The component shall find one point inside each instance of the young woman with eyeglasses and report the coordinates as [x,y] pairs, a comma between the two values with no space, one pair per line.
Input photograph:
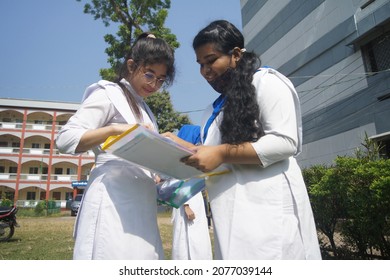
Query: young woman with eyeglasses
[118,215]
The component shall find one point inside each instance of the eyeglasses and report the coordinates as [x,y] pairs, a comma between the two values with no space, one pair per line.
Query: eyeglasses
[151,79]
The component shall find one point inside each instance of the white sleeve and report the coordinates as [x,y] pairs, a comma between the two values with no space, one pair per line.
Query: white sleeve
[278,116]
[96,111]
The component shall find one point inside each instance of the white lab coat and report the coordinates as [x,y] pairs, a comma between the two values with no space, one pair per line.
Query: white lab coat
[191,239]
[118,214]
[263,212]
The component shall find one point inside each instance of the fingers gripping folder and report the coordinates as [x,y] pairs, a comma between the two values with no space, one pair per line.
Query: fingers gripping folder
[159,154]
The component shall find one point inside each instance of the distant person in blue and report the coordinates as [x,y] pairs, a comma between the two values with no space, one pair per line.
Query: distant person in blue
[191,238]
[190,133]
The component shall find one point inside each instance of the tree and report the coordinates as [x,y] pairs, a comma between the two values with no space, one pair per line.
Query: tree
[167,118]
[371,151]
[133,18]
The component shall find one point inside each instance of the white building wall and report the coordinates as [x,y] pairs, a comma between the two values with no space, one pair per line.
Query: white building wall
[342,144]
[262,18]
[334,69]
[323,19]
[333,84]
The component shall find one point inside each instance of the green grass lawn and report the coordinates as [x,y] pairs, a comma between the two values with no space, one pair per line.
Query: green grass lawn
[50,238]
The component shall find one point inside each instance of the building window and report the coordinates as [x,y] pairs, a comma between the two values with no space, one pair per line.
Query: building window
[3,144]
[30,195]
[56,195]
[376,53]
[57,171]
[33,170]
[13,169]
[2,169]
[9,195]
[42,195]
[35,145]
[383,141]
[68,195]
[15,144]
[366,4]
[385,148]
[71,171]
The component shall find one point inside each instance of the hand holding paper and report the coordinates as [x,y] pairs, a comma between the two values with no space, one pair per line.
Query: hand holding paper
[159,154]
[152,151]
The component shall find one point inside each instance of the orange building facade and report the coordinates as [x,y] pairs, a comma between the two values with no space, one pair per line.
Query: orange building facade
[31,168]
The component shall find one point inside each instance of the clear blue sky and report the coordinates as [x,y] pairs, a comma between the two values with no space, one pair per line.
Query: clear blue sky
[51,50]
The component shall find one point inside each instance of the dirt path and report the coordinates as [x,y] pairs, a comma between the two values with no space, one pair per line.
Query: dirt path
[164,220]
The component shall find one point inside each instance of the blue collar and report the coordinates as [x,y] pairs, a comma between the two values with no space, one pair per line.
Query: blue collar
[217,105]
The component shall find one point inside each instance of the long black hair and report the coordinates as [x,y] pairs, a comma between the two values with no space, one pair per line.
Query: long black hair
[146,51]
[241,112]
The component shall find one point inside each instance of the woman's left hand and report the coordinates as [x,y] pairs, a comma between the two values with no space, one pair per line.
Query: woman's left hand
[189,213]
[178,140]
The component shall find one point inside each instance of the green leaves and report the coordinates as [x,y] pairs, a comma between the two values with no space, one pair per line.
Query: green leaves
[167,118]
[353,196]
[132,18]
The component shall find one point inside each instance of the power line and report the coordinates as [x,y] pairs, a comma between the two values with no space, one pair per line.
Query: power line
[333,76]
[2,86]
[192,111]
[361,76]
[341,107]
[341,74]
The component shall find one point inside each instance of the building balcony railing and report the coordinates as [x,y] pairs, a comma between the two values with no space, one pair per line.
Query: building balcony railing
[34,151]
[34,203]
[29,126]
[40,177]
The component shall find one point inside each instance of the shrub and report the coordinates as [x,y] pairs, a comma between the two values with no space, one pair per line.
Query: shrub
[6,202]
[40,208]
[353,196]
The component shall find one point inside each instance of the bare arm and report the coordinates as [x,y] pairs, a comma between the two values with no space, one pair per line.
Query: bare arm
[207,158]
[94,137]
[178,140]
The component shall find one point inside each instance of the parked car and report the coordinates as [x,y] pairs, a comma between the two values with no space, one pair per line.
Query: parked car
[75,205]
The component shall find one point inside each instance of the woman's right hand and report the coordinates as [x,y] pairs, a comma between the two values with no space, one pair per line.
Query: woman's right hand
[206,158]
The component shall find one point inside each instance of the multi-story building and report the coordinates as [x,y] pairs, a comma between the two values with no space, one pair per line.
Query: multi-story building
[337,54]
[31,168]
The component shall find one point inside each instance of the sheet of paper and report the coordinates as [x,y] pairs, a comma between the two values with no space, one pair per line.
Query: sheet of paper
[153,152]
